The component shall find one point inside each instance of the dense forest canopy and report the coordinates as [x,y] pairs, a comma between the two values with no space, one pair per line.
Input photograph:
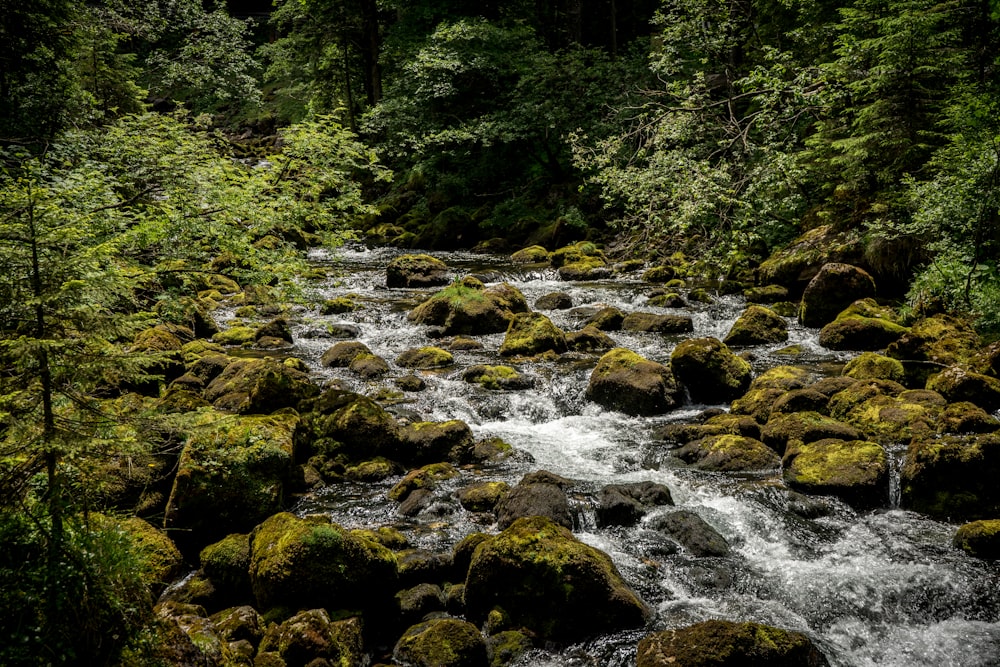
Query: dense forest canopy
[145,146]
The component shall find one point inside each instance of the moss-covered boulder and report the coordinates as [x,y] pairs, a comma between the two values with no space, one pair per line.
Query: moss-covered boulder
[872,366]
[665,324]
[277,328]
[959,384]
[227,565]
[965,417]
[953,477]
[482,496]
[241,623]
[666,300]
[626,504]
[416,271]
[546,580]
[890,420]
[432,442]
[160,560]
[856,471]
[236,335]
[587,268]
[934,342]
[710,370]
[348,427]
[757,325]
[530,334]
[310,637]
[722,424]
[766,294]
[232,473]
[534,254]
[627,382]
[607,319]
[659,274]
[805,427]
[979,538]
[576,252]
[589,339]
[441,642]
[537,494]
[554,301]
[469,308]
[728,453]
[311,562]
[426,477]
[425,358]
[719,643]
[795,265]
[832,289]
[497,377]
[864,325]
[339,305]
[259,386]
[342,354]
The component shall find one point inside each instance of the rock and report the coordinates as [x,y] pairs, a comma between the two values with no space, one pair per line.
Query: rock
[231,474]
[467,308]
[964,417]
[161,561]
[530,334]
[588,268]
[506,647]
[441,642]
[665,324]
[431,442]
[464,343]
[801,400]
[718,643]
[709,370]
[885,419]
[626,504]
[856,471]
[235,335]
[757,326]
[339,305]
[369,366]
[240,624]
[863,326]
[347,426]
[804,427]
[535,254]
[576,252]
[276,328]
[497,377]
[554,301]
[722,424]
[768,388]
[667,300]
[832,289]
[691,532]
[953,477]
[728,453]
[310,562]
[958,384]
[341,355]
[425,478]
[311,637]
[589,339]
[660,274]
[980,539]
[576,592]
[932,343]
[987,360]
[766,294]
[227,564]
[416,271]
[259,386]
[415,603]
[425,358]
[872,366]
[626,382]
[606,319]
[411,382]
[484,496]
[798,263]
[540,494]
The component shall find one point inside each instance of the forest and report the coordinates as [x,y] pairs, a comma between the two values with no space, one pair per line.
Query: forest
[159,157]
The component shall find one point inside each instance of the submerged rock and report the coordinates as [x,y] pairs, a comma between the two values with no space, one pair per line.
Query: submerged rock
[629,383]
[710,370]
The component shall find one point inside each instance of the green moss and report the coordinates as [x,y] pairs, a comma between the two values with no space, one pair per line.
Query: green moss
[625,381]
[717,642]
[872,366]
[425,358]
[426,477]
[484,496]
[587,268]
[729,453]
[535,254]
[804,427]
[341,304]
[227,562]
[237,335]
[530,334]
[757,325]
[441,642]
[857,471]
[577,252]
[980,539]
[892,420]
[710,370]
[659,274]
[496,377]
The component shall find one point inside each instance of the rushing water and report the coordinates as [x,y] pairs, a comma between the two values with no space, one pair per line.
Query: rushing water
[873,588]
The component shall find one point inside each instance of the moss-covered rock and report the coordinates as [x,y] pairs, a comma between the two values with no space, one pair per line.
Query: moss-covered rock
[160,560]
[964,417]
[369,366]
[804,427]
[627,382]
[237,335]
[719,643]
[347,426]
[801,400]
[432,442]
[934,342]
[666,300]
[312,562]
[587,268]
[537,494]
[424,358]
[757,325]
[482,496]
[891,420]
[551,583]
[864,325]
[530,334]
[507,647]
[659,274]
[795,265]
[277,328]
[856,471]
[534,254]
[227,564]
[465,308]
[241,623]
[259,386]
[766,294]
[607,319]
[723,424]
[953,477]
[835,287]
[342,354]
[665,324]
[958,384]
[728,453]
[232,473]
[416,271]
[554,301]
[311,637]
[497,377]
[576,252]
[441,642]
[872,366]
[426,477]
[710,370]
[980,539]
[339,305]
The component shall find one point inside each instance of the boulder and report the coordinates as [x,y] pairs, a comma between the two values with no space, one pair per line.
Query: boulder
[342,354]
[277,328]
[768,388]
[339,305]
[666,300]
[588,268]
[483,496]
[889,420]
[311,637]
[537,494]
[425,358]
[964,417]
[554,301]
[426,478]
[801,400]
[980,539]
[728,453]
[441,642]
[589,339]
[431,442]
[347,426]
[863,326]
[856,471]
[416,602]
[794,266]
[535,254]
[932,343]
[581,251]
[546,580]
[416,271]
[496,377]
[469,308]
[659,274]
[691,532]
[532,333]
[958,384]
[953,477]
[722,424]
[312,562]
[665,324]
[832,289]
[718,643]
[626,504]
[872,366]
[606,319]
[241,623]
[227,565]
[259,386]
[710,370]
[805,427]
[766,294]
[757,325]
[626,382]
[369,366]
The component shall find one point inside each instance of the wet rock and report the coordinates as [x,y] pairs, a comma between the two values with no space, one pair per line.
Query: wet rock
[418,566]
[415,603]
[576,252]
[626,504]
[933,343]
[464,343]
[589,268]
[347,426]
[757,325]
[506,647]
[310,561]
[428,442]
[530,334]
[766,294]
[235,335]
[201,634]
[576,591]
[862,326]
[710,370]
[240,624]
[660,274]
[277,328]
[728,453]
[483,496]
[964,417]
[607,319]
[416,502]
[890,420]
[441,642]
[872,366]
[538,494]
[589,339]
[691,532]
[411,382]
[856,471]
[259,386]
[718,643]
[535,254]
[801,400]
[339,305]
[626,382]
[958,384]
[369,366]
[426,478]
[665,324]
[425,358]
[311,636]
[667,300]
[722,424]
[832,289]
[804,427]
[227,564]
[342,354]
[554,301]
[953,477]
[416,271]
[469,308]
[980,539]
[497,377]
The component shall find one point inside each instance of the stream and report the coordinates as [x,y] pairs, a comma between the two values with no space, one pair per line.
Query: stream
[870,588]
